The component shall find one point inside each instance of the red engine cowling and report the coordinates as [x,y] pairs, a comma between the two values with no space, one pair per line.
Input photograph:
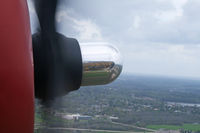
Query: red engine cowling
[16,68]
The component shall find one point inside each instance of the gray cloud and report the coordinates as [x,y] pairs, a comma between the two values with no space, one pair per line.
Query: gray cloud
[155,36]
[157,20]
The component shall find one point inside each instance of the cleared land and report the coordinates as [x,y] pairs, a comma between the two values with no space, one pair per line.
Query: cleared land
[192,127]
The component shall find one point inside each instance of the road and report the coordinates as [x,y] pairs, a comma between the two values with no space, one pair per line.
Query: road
[96,130]
[142,128]
[89,130]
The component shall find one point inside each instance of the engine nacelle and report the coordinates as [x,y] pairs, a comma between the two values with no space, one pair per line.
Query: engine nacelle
[66,65]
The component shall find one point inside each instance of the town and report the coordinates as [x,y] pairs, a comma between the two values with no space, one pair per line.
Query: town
[127,105]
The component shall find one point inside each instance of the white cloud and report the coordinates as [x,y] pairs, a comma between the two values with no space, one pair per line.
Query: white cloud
[31,6]
[173,14]
[162,59]
[61,15]
[136,23]
[33,16]
[86,29]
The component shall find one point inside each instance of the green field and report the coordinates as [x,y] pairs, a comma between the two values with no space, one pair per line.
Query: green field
[193,127]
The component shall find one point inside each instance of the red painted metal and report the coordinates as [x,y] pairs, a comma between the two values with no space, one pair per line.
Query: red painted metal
[16,68]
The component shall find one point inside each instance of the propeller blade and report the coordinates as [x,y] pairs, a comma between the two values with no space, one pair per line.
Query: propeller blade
[57,59]
[48,59]
[46,10]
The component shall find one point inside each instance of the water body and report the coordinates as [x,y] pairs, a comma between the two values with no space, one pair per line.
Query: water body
[184,104]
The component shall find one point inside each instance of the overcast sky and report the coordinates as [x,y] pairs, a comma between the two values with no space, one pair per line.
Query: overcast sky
[158,37]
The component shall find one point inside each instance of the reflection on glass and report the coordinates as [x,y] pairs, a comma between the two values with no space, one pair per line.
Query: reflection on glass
[101,63]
